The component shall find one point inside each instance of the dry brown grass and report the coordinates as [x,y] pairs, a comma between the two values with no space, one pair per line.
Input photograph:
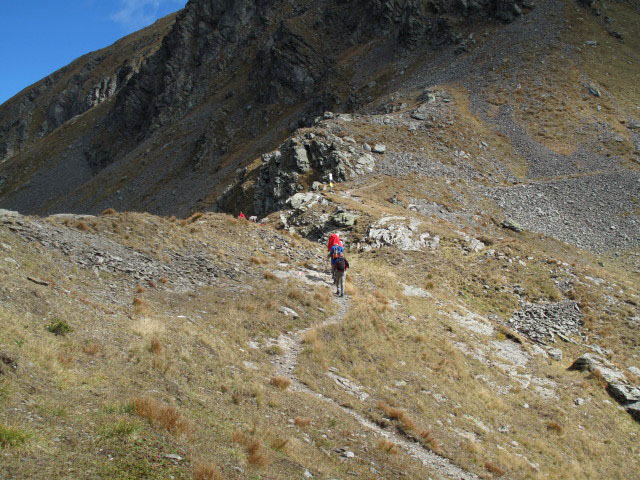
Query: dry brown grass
[91,348]
[388,446]
[257,260]
[310,336]
[65,359]
[256,454]
[164,416]
[164,280]
[140,306]
[399,415]
[269,276]
[83,227]
[494,468]
[206,471]
[555,427]
[140,289]
[302,422]
[279,443]
[427,437]
[155,346]
[108,211]
[280,382]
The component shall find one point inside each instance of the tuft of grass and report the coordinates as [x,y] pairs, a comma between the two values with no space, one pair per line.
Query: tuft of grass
[280,382]
[273,350]
[162,415]
[399,415]
[279,443]
[256,455]
[83,227]
[155,346]
[302,422]
[269,276]
[140,306]
[108,211]
[140,289]
[427,437]
[555,427]
[59,327]
[388,446]
[91,348]
[494,468]
[12,437]
[206,471]
[122,428]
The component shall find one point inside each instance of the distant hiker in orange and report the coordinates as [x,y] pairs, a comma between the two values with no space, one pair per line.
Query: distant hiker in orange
[242,216]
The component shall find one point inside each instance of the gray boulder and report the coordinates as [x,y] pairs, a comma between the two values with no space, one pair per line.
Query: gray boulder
[634,410]
[512,225]
[345,219]
[623,392]
[587,362]
[594,90]
[555,353]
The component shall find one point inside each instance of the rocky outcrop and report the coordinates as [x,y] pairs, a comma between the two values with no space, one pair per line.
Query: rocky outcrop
[306,158]
[541,322]
[619,388]
[400,233]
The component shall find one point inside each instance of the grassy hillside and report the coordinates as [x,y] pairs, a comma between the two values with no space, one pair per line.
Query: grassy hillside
[178,354]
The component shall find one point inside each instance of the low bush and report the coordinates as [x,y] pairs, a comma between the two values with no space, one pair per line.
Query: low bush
[59,327]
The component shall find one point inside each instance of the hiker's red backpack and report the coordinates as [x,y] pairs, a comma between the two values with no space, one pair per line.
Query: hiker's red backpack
[334,240]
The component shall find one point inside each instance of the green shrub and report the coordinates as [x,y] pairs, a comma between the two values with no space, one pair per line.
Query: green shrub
[10,437]
[59,327]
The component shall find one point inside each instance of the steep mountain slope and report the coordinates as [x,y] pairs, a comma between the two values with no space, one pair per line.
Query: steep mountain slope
[230,80]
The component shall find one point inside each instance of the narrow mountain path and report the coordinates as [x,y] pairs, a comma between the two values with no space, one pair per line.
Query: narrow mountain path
[292,344]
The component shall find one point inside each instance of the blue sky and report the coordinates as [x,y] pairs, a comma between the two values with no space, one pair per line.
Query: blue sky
[37,37]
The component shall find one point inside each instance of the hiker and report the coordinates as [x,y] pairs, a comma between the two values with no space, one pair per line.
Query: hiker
[335,247]
[242,216]
[340,268]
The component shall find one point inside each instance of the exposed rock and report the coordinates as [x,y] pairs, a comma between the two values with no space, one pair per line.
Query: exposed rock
[512,225]
[540,322]
[623,392]
[393,231]
[288,312]
[322,156]
[634,410]
[586,362]
[379,148]
[8,361]
[618,387]
[302,201]
[344,219]
[555,353]
[594,90]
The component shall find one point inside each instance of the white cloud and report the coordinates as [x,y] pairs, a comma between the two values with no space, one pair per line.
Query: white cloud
[136,14]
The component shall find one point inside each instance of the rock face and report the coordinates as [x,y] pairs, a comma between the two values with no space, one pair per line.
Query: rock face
[75,89]
[302,160]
